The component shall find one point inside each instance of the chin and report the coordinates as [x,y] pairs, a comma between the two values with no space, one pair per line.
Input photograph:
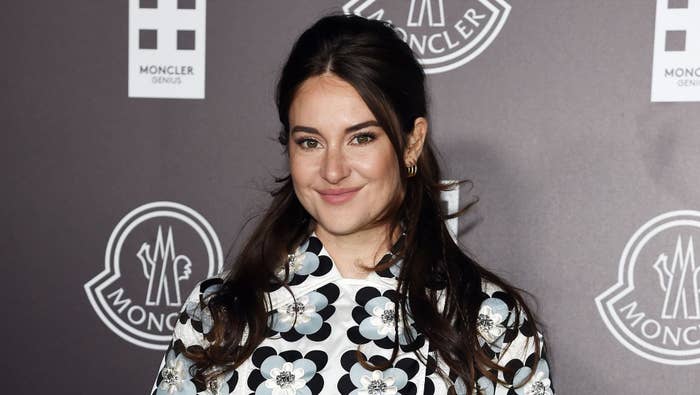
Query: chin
[339,226]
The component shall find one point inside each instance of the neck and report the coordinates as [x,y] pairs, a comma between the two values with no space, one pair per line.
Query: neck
[356,254]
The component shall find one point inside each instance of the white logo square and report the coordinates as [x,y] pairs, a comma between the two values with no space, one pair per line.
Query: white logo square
[167,48]
[676,69]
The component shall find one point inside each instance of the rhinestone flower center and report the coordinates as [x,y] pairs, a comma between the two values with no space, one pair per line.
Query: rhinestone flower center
[376,387]
[295,308]
[485,322]
[285,379]
[213,386]
[387,316]
[537,388]
[170,376]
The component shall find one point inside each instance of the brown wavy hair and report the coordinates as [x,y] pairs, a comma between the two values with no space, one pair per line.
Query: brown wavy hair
[370,56]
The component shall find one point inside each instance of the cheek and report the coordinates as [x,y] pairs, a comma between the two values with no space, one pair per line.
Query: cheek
[295,171]
[382,170]
[304,175]
[299,170]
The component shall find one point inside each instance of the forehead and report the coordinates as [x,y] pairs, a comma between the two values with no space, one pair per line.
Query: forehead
[328,99]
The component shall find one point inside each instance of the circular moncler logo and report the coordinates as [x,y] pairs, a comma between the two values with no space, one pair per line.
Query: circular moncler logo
[154,257]
[444,34]
[654,308]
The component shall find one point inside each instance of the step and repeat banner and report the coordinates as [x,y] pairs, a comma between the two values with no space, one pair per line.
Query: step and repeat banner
[139,139]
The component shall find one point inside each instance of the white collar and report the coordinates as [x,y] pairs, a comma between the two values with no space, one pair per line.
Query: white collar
[312,267]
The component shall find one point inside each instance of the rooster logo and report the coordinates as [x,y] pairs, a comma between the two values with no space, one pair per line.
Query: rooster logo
[164,270]
[680,281]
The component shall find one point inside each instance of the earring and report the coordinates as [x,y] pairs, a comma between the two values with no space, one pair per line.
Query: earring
[412,170]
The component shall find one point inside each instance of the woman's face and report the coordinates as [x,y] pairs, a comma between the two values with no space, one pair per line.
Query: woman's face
[343,165]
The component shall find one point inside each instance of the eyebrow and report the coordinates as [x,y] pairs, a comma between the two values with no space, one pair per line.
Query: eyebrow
[349,129]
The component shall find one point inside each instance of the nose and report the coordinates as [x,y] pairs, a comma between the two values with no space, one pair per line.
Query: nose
[334,167]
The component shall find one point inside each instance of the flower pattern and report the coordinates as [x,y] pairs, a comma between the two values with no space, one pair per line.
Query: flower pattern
[491,319]
[193,323]
[286,373]
[360,381]
[377,384]
[175,377]
[496,322]
[306,315]
[305,261]
[317,327]
[222,384]
[539,383]
[300,314]
[381,321]
[195,320]
[483,386]
[430,373]
[376,315]
[287,379]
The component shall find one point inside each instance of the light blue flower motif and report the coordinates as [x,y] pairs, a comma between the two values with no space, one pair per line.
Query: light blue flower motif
[219,385]
[380,323]
[191,307]
[196,312]
[208,291]
[484,386]
[539,383]
[301,262]
[386,382]
[186,332]
[189,336]
[302,314]
[285,378]
[491,319]
[460,386]
[395,269]
[176,376]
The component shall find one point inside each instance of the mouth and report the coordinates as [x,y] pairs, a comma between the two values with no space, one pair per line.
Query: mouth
[338,196]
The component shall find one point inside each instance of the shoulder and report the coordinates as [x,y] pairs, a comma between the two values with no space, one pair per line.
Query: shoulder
[191,327]
[195,319]
[502,319]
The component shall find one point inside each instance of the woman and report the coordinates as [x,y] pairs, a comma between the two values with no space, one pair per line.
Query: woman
[351,283]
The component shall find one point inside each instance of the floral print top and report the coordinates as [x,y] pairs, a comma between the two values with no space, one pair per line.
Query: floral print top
[312,343]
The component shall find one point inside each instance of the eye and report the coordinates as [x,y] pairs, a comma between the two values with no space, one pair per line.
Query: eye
[364,138]
[307,143]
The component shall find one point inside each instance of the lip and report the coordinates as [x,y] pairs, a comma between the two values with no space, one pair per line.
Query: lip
[338,195]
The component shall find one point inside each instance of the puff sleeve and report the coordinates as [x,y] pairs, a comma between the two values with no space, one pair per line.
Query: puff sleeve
[174,377]
[512,345]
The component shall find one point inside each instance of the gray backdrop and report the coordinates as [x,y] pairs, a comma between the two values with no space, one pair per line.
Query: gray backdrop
[552,122]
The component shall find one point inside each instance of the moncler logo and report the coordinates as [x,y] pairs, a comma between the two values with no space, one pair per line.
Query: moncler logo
[153,258]
[167,41]
[654,308]
[676,67]
[444,34]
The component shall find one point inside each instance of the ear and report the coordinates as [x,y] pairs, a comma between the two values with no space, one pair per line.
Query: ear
[415,141]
